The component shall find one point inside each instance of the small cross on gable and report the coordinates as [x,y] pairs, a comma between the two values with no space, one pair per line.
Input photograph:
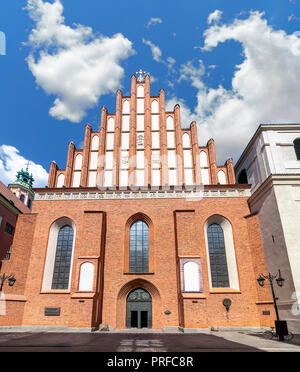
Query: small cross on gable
[141,75]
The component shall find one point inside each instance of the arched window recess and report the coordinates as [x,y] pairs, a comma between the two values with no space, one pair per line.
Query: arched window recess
[138,245]
[221,253]
[59,255]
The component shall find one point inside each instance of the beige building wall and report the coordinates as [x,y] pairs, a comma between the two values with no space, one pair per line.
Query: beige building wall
[273,171]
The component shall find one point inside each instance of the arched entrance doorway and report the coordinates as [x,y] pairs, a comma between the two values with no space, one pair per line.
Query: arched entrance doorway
[139,309]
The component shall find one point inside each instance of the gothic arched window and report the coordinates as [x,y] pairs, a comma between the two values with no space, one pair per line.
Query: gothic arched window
[217,256]
[297,148]
[64,247]
[139,247]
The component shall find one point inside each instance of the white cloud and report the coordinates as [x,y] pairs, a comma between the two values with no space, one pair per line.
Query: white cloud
[171,61]
[72,63]
[186,115]
[155,50]
[265,85]
[292,17]
[154,21]
[215,16]
[11,162]
[153,79]
[157,53]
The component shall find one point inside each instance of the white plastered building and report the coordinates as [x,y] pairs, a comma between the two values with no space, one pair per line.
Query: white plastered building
[271,164]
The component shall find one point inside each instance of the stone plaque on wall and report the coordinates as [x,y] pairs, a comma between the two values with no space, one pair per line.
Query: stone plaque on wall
[52,311]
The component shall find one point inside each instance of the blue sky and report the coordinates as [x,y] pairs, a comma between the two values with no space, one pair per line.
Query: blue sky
[229,64]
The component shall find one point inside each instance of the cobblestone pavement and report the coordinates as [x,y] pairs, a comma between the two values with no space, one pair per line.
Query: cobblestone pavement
[258,341]
[117,342]
[226,341]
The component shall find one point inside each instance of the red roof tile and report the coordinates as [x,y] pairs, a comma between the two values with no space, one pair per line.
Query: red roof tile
[6,192]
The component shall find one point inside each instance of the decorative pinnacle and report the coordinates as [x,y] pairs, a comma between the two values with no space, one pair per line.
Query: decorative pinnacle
[141,75]
[27,165]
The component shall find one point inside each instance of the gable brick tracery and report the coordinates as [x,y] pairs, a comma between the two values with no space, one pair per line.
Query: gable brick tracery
[124,152]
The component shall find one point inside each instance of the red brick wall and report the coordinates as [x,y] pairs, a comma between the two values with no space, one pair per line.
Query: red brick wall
[18,265]
[178,230]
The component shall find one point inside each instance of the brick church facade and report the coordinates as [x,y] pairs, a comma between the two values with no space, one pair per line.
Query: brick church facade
[141,229]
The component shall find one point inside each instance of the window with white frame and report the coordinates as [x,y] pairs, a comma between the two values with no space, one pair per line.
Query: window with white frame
[221,253]
[63,256]
[59,258]
[139,247]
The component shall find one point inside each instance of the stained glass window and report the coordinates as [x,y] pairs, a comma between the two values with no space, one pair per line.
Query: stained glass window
[217,256]
[139,248]
[63,257]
